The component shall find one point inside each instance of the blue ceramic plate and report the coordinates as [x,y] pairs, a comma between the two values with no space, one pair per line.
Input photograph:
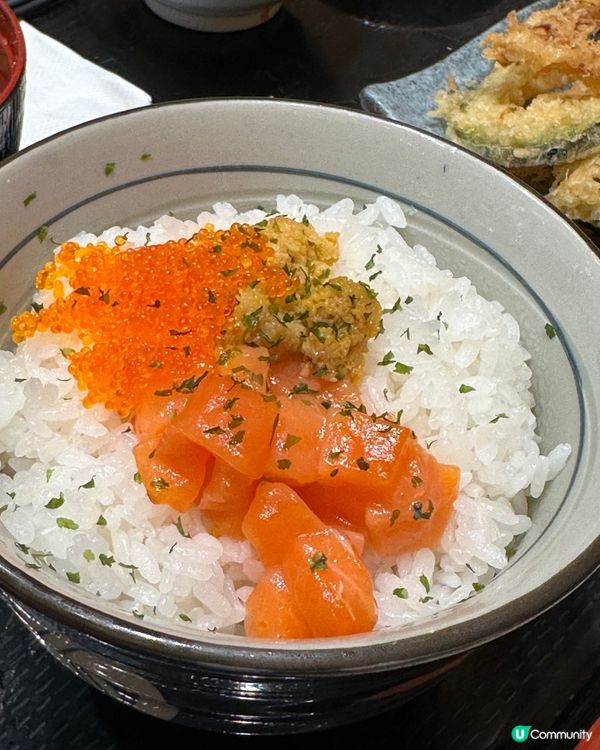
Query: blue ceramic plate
[412,98]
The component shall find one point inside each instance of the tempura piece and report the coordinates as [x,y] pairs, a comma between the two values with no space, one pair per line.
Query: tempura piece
[576,190]
[565,37]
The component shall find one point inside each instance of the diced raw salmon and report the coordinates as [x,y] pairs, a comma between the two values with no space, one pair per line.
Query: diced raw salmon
[330,586]
[276,516]
[172,468]
[231,420]
[154,413]
[419,510]
[270,610]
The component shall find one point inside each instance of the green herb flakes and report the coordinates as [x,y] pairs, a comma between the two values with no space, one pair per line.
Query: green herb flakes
[109,168]
[184,617]
[238,438]
[49,473]
[145,157]
[159,483]
[388,359]
[401,593]
[550,331]
[137,477]
[66,523]
[465,388]
[424,348]
[290,441]
[425,583]
[88,485]
[498,417]
[29,198]
[478,586]
[74,577]
[101,521]
[180,529]
[284,463]
[317,561]
[67,351]
[89,555]
[416,480]
[362,464]
[402,369]
[395,514]
[42,233]
[106,560]
[419,513]
[55,502]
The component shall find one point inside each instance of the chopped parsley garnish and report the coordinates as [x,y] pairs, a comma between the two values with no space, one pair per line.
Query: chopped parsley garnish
[362,464]
[425,583]
[550,332]
[42,233]
[83,291]
[88,485]
[55,502]
[394,308]
[302,388]
[89,555]
[394,516]
[402,369]
[184,617]
[465,388]
[401,593]
[478,586]
[317,561]
[214,430]
[237,438]
[416,480]
[159,483]
[109,168]
[106,560]
[388,358]
[419,513]
[74,577]
[290,441]
[145,157]
[228,272]
[67,351]
[498,417]
[212,298]
[370,263]
[49,473]
[29,198]
[424,348]
[101,521]
[334,455]
[180,529]
[284,463]
[408,300]
[190,384]
[235,421]
[250,320]
[66,523]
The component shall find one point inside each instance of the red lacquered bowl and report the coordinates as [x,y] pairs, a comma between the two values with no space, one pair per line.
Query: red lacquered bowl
[12,81]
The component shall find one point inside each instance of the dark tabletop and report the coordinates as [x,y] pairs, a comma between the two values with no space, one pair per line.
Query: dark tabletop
[546,674]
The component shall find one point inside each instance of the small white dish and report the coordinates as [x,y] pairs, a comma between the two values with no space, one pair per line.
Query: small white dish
[215,15]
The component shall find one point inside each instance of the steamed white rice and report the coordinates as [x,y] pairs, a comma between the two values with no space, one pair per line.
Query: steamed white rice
[63,461]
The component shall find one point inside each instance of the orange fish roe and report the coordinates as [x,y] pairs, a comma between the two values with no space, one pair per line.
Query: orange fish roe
[149,317]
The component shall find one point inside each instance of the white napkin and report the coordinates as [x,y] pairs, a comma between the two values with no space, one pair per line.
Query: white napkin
[63,89]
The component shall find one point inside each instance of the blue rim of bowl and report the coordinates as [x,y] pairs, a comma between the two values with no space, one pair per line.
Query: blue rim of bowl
[353,654]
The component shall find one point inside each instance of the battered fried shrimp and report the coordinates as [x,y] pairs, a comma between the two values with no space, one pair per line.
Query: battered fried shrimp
[565,37]
[576,189]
